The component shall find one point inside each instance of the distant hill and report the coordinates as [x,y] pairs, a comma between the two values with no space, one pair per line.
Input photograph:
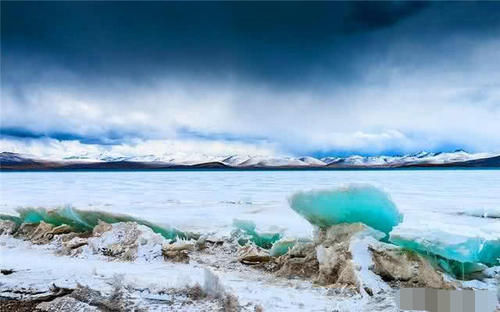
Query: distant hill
[14,161]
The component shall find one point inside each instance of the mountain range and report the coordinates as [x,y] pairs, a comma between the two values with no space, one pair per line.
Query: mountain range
[459,158]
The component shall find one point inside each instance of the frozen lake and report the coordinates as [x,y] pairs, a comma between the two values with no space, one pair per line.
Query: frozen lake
[209,200]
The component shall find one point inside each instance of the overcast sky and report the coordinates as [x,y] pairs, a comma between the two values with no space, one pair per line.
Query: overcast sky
[287,78]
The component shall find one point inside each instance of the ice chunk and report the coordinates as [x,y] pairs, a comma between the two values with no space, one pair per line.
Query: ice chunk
[350,204]
[247,231]
[15,219]
[284,245]
[460,270]
[454,245]
[86,220]
[491,212]
[490,252]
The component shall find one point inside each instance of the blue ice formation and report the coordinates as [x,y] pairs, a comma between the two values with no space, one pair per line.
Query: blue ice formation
[85,220]
[462,249]
[247,231]
[283,246]
[350,204]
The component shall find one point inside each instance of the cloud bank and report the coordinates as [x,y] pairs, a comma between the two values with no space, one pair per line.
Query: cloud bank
[403,78]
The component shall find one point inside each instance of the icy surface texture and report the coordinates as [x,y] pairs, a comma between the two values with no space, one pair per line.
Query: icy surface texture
[247,231]
[86,220]
[349,204]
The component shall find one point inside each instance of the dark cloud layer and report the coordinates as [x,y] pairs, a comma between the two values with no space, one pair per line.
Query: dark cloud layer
[272,41]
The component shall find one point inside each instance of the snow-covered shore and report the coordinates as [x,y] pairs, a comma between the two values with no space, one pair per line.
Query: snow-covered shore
[128,266]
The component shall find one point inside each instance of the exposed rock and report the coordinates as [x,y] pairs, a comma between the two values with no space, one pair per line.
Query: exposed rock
[7,227]
[230,303]
[195,292]
[406,268]
[113,302]
[126,241]
[45,232]
[343,233]
[178,251]
[300,261]
[69,236]
[251,254]
[61,229]
[69,244]
[66,303]
[55,292]
[181,256]
[259,308]
[9,305]
[6,271]
[100,228]
[335,266]
[179,246]
[42,233]
[25,230]
[75,243]
[84,299]
[350,256]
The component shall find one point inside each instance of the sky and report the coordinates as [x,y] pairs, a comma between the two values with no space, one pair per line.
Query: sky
[249,78]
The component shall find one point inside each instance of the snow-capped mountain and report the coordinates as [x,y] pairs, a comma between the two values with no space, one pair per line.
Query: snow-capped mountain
[459,158]
[260,161]
[312,161]
[235,160]
[8,158]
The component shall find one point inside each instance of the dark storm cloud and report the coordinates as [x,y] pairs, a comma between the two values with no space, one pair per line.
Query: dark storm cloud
[108,138]
[273,41]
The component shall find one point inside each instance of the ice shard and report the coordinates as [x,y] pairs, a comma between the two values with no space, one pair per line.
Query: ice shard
[349,204]
[247,231]
[284,245]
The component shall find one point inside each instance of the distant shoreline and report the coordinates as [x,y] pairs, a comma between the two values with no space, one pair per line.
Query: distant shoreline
[191,169]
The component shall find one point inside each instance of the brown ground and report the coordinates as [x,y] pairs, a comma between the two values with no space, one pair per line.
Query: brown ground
[17,305]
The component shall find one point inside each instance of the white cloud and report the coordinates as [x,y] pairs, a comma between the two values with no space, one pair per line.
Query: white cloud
[392,108]
[180,150]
